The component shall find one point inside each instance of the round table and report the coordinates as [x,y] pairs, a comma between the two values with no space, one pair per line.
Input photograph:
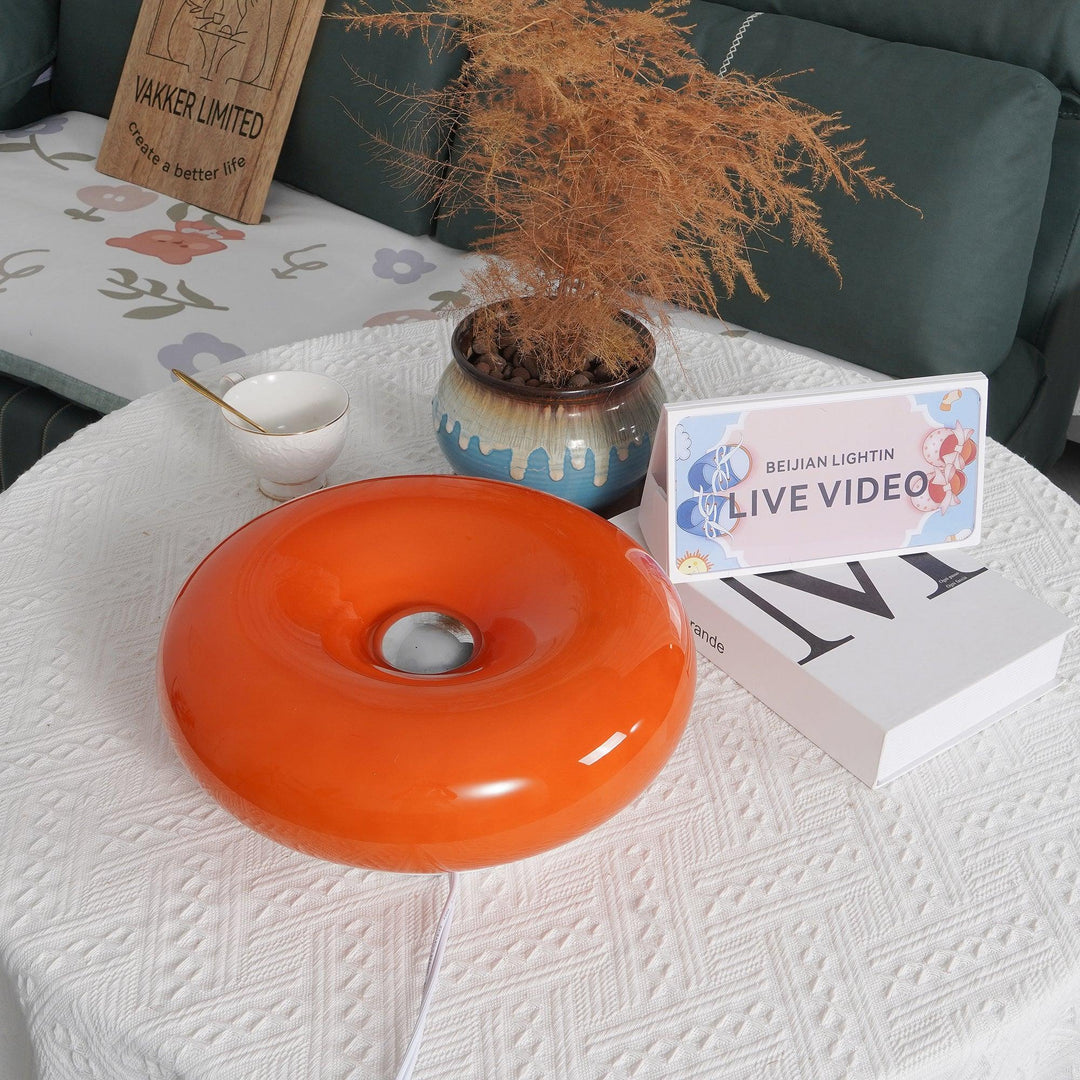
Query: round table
[758,912]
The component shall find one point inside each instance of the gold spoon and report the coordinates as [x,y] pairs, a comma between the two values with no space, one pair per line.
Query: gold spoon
[189,381]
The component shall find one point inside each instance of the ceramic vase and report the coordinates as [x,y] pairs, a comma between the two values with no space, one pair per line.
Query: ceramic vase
[589,445]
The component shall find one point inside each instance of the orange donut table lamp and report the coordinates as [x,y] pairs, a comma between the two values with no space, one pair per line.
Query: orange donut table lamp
[426,673]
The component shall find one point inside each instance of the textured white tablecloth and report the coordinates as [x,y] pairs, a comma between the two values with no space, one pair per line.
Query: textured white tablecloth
[757,913]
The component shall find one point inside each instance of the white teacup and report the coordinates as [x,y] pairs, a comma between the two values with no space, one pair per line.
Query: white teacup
[307,416]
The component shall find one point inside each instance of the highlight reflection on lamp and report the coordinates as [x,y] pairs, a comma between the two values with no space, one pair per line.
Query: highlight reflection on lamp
[365,675]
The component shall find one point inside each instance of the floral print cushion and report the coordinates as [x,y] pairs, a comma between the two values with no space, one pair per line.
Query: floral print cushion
[105,286]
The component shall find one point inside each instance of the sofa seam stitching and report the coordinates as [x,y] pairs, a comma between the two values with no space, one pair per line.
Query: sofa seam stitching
[48,424]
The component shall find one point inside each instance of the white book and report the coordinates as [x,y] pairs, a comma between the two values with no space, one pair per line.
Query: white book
[881,663]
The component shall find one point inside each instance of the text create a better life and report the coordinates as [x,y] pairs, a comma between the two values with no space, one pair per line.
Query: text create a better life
[227,167]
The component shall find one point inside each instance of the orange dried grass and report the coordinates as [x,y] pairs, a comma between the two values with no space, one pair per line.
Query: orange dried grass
[615,168]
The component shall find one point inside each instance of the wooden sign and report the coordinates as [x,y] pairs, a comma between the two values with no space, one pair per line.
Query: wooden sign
[205,98]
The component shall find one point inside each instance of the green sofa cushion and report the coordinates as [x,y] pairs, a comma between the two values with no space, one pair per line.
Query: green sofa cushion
[971,147]
[27,47]
[325,151]
[965,139]
[100,29]
[1040,34]
[1055,272]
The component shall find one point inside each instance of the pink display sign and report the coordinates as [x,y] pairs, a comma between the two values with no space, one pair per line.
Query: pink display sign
[753,484]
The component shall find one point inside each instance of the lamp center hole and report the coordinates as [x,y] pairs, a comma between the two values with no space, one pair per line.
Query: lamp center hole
[426,643]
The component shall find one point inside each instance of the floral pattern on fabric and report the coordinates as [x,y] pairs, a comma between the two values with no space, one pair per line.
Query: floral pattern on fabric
[445,300]
[390,318]
[403,267]
[183,297]
[51,125]
[13,267]
[198,351]
[289,272]
[309,268]
[181,244]
[116,198]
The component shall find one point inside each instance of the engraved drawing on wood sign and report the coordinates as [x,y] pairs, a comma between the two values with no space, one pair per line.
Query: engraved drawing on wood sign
[238,40]
[205,98]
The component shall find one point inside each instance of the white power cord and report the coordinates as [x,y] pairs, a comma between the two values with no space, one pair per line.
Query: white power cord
[438,947]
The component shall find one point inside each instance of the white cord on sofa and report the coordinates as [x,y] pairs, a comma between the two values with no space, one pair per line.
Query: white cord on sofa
[735,43]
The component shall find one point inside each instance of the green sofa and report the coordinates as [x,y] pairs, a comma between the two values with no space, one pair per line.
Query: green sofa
[972,111]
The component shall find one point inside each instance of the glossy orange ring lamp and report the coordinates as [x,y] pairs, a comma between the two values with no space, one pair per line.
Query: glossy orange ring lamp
[426,673]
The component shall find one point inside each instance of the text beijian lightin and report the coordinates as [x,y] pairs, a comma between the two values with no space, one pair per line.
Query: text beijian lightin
[823,461]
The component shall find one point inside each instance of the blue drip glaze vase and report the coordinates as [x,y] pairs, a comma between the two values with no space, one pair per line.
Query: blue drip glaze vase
[589,445]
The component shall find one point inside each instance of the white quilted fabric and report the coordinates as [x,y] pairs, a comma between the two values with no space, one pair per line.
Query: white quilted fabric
[757,913]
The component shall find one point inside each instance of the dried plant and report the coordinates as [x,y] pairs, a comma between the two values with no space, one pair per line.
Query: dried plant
[614,167]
